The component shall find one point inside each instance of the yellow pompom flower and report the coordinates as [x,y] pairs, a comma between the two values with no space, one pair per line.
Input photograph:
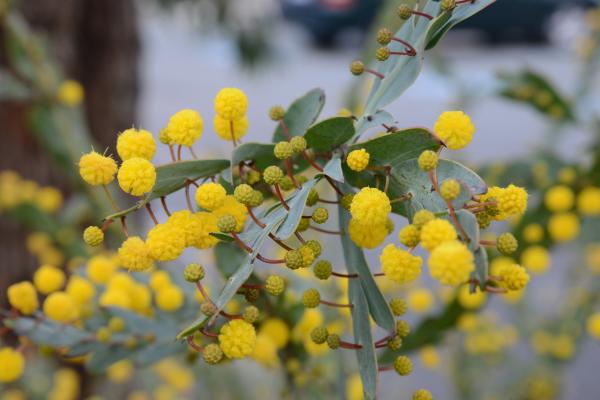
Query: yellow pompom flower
[136,176]
[471,301]
[169,298]
[451,263]
[429,357]
[536,259]
[100,268]
[559,198]
[136,143]
[184,127]
[370,206]
[120,371]
[159,280]
[265,351]
[96,169]
[134,254]
[115,297]
[80,289]
[533,233]
[399,265]
[436,232]
[12,364]
[234,208]
[593,325]
[513,277]
[49,199]
[588,201]
[367,236]
[563,226]
[48,279]
[70,93]
[230,129]
[277,330]
[93,236]
[231,104]
[358,160]
[354,388]
[210,195]
[203,223]
[190,224]
[23,297]
[455,129]
[166,242]
[512,200]
[237,338]
[420,300]
[61,307]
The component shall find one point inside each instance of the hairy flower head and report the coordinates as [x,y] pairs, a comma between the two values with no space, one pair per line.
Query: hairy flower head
[48,279]
[12,364]
[451,263]
[96,169]
[134,254]
[61,307]
[358,160]
[136,143]
[370,206]
[399,265]
[165,242]
[23,297]
[136,176]
[231,104]
[230,129]
[237,338]
[455,129]
[184,127]
[367,236]
[436,232]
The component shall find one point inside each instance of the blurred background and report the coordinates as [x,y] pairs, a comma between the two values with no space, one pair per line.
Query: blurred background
[139,62]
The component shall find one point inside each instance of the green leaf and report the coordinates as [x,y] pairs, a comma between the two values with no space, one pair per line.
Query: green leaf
[379,118]
[532,88]
[330,133]
[356,263]
[173,177]
[333,169]
[481,267]
[228,256]
[297,206]
[261,154]
[102,359]
[157,351]
[301,114]
[46,332]
[12,89]
[469,223]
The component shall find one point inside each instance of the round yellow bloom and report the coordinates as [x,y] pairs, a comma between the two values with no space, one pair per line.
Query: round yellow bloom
[169,298]
[536,259]
[563,346]
[141,298]
[420,300]
[513,277]
[93,236]
[61,307]
[100,268]
[120,371]
[12,364]
[231,104]
[358,160]
[80,289]
[234,208]
[265,351]
[559,198]
[185,127]
[436,232]
[203,223]
[451,263]
[115,297]
[48,279]
[134,254]
[210,195]
[70,93]
[563,226]
[399,265]
[593,325]
[533,233]
[277,330]
[512,200]
[136,176]
[159,280]
[588,201]
[370,206]
[23,297]
[96,169]
[230,130]
[49,199]
[367,236]
[429,357]
[166,242]
[469,300]
[354,388]
[455,129]
[237,338]
[136,143]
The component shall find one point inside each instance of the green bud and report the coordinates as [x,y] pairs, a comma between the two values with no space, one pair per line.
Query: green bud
[322,269]
[212,354]
[315,246]
[311,298]
[283,150]
[313,197]
[276,113]
[357,67]
[251,314]
[507,244]
[272,175]
[243,193]
[274,285]
[403,365]
[384,36]
[298,144]
[320,215]
[333,341]
[319,335]
[193,272]
[208,308]
[227,223]
[294,259]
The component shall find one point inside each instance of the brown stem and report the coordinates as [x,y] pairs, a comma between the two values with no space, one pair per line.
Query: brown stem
[329,303]
[328,201]
[489,243]
[172,152]
[402,53]
[386,368]
[334,186]
[188,200]
[285,129]
[410,48]
[270,260]
[203,292]
[347,345]
[379,274]
[290,172]
[377,74]
[280,196]
[163,201]
[149,209]
[422,14]
[179,153]
[279,242]
[300,238]
[106,224]
[249,250]
[330,232]
[253,285]
[192,343]
[254,218]
[312,161]
[434,182]
[194,156]
[493,289]
[402,198]
[232,132]
[124,226]
[208,334]
[387,183]
[349,276]
[230,316]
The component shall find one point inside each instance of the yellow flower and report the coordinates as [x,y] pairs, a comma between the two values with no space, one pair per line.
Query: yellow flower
[100,268]
[12,364]
[588,201]
[563,226]
[358,160]
[367,235]
[593,325]
[559,198]
[276,330]
[234,208]
[513,277]
[120,371]
[70,93]
[166,242]
[115,297]
[93,236]
[429,357]
[80,289]
[230,130]
[370,206]
[237,339]
[409,235]
[169,298]
[455,129]
[203,224]
[231,104]
[184,127]
[470,300]
[265,351]
[533,233]
[210,195]
[436,232]
[451,263]
[96,169]
[563,347]
[136,143]
[420,300]
[23,297]
[159,280]
[61,307]
[134,254]
[536,259]
[49,199]
[511,200]
[354,388]
[399,265]
[310,320]
[593,257]
[48,279]
[136,176]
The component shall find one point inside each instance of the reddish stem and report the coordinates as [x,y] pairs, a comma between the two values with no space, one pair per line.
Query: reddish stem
[192,343]
[330,232]
[285,129]
[163,201]
[290,172]
[344,275]
[188,200]
[312,162]
[410,48]
[172,152]
[329,303]
[377,74]
[209,334]
[106,224]
[149,209]
[179,153]
[280,196]
[347,345]
[203,292]
[329,201]
[124,226]
[422,14]
[254,218]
